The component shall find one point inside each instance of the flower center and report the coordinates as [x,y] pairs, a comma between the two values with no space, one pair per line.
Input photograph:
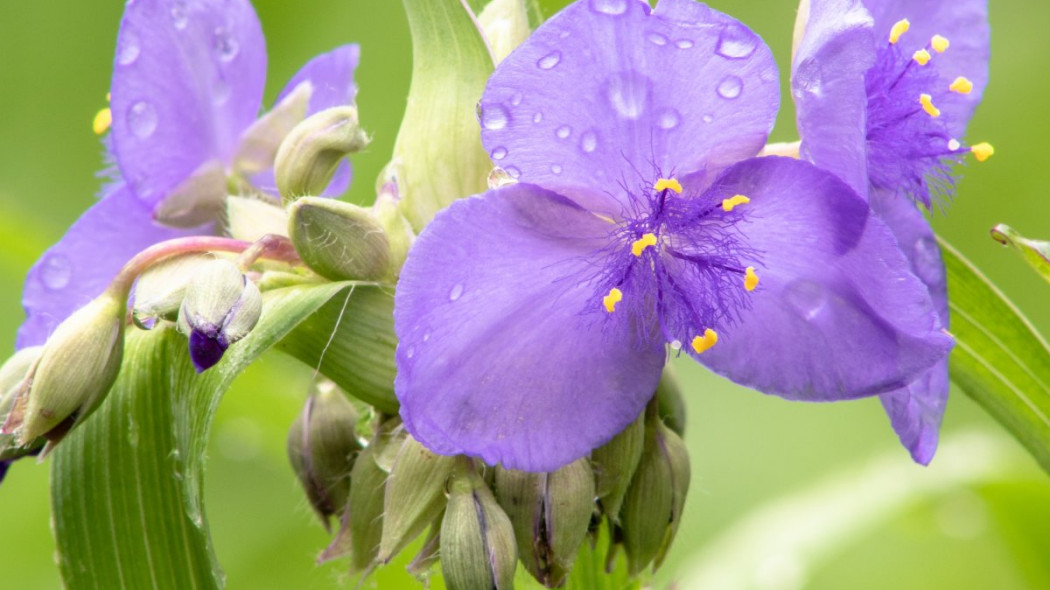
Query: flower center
[910,147]
[676,262]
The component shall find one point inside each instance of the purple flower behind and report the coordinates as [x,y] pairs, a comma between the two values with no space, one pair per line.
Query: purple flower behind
[534,320]
[884,90]
[187,87]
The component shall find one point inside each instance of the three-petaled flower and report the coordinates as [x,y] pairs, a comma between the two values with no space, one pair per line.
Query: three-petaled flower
[884,90]
[534,320]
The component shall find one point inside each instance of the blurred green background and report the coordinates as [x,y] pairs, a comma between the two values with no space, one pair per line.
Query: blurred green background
[853,511]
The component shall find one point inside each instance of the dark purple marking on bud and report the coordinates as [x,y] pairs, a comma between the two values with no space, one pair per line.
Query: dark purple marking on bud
[206,350]
[3,469]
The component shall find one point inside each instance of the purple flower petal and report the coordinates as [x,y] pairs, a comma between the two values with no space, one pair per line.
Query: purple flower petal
[605,92]
[828,85]
[187,80]
[837,313]
[332,77]
[503,355]
[965,24]
[916,411]
[206,350]
[81,265]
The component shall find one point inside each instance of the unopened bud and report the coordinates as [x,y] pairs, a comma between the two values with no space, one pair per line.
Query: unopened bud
[339,240]
[250,219]
[477,540]
[614,465]
[415,495]
[652,508]
[551,513]
[159,291]
[505,24]
[12,375]
[322,446]
[76,369]
[309,155]
[671,404]
[220,307]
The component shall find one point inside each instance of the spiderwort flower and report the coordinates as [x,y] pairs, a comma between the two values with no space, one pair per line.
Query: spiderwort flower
[186,92]
[534,320]
[884,90]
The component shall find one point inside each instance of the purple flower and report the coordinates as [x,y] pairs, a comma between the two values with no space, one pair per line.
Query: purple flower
[534,320]
[884,90]
[187,87]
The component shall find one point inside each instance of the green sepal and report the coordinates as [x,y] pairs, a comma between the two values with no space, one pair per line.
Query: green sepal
[1035,252]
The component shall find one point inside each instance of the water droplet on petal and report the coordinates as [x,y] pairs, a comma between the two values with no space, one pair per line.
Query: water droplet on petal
[129,49]
[499,153]
[426,336]
[683,43]
[537,117]
[563,131]
[224,45]
[516,99]
[708,118]
[668,119]
[55,272]
[514,172]
[549,61]
[613,7]
[456,292]
[628,93]
[657,39]
[736,42]
[676,345]
[555,168]
[953,144]
[178,15]
[494,117]
[589,141]
[142,119]
[730,87]
[807,298]
[411,352]
[807,78]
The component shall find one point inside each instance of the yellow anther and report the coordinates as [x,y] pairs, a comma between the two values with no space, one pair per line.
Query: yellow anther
[728,204]
[705,342]
[899,28]
[639,245]
[982,151]
[940,44]
[668,183]
[103,119]
[750,278]
[609,301]
[922,57]
[962,85]
[108,97]
[927,105]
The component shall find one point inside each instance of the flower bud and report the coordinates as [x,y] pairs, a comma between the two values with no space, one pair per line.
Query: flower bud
[308,156]
[249,219]
[614,464]
[76,369]
[12,375]
[477,539]
[322,446]
[415,495]
[670,402]
[219,308]
[653,505]
[339,240]
[551,513]
[159,291]
[505,24]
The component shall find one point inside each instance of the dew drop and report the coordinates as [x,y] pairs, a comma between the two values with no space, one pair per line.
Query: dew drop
[807,298]
[612,7]
[537,117]
[55,272]
[224,45]
[668,118]
[563,131]
[730,87]
[514,172]
[426,336]
[708,118]
[142,119]
[133,433]
[129,49]
[953,144]
[683,44]
[628,93]
[807,79]
[411,352]
[516,99]
[549,61]
[456,292]
[556,168]
[736,42]
[589,141]
[657,39]
[178,15]
[499,153]
[494,117]
[676,345]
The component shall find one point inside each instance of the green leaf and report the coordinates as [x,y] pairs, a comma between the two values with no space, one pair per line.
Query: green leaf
[999,359]
[438,156]
[1036,253]
[126,485]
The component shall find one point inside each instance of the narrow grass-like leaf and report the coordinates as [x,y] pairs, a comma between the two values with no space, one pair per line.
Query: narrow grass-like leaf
[1035,252]
[126,485]
[999,360]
